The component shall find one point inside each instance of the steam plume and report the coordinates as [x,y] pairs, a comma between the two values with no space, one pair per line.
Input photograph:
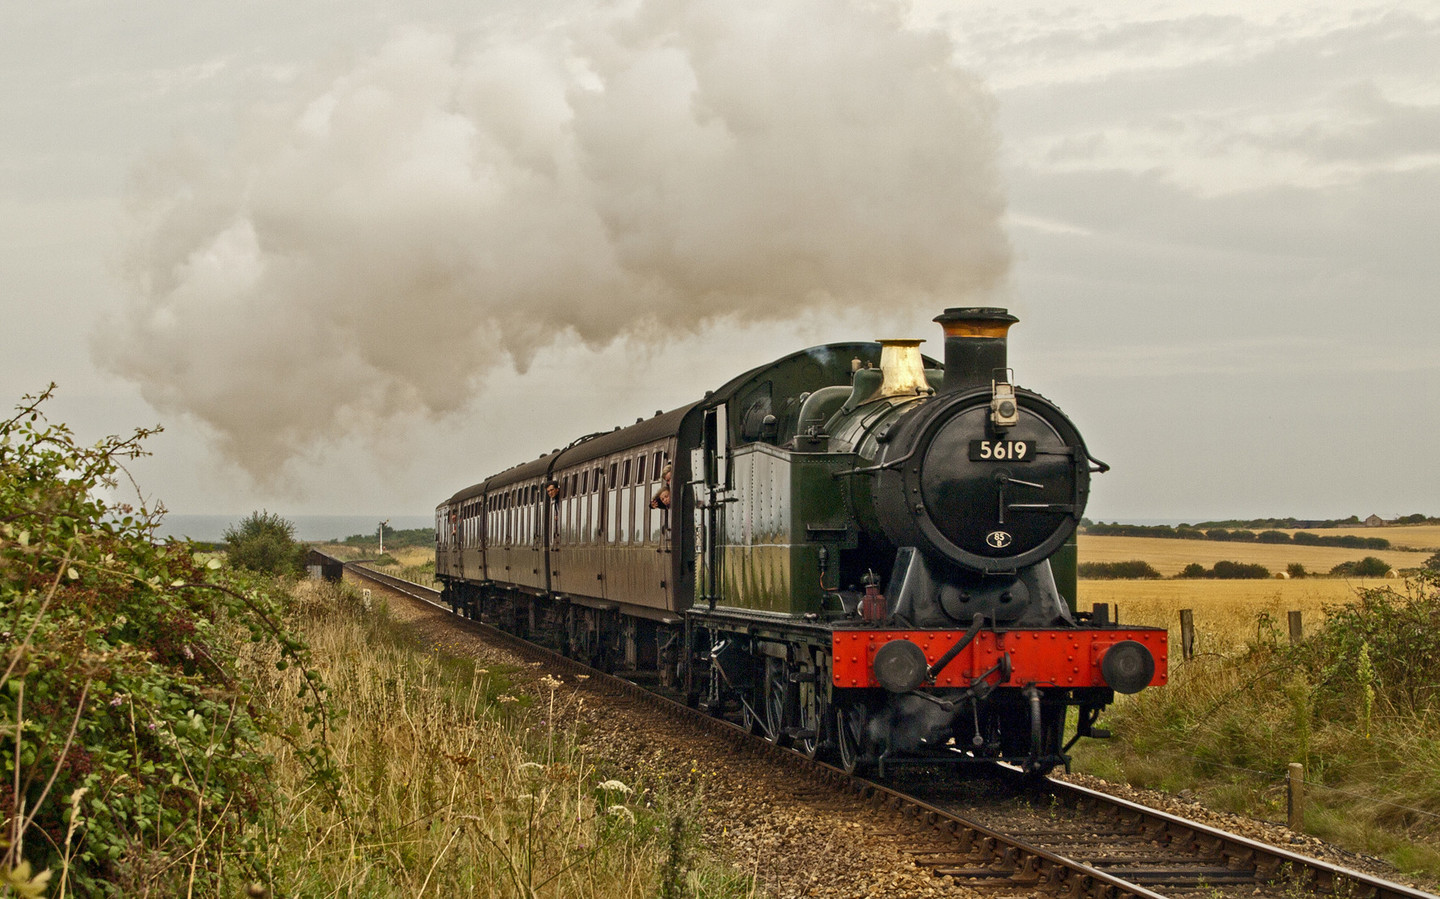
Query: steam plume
[380,238]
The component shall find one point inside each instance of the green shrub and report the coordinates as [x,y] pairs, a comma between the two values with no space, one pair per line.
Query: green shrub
[264,542]
[1433,563]
[1369,566]
[1224,570]
[1135,569]
[1296,570]
[125,723]
[1231,571]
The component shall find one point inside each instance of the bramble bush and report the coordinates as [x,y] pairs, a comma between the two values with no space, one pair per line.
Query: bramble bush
[130,742]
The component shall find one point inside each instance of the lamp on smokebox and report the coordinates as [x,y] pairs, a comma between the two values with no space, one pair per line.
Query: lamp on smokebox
[1003,411]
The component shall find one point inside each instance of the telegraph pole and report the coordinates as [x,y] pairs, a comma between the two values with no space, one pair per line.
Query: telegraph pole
[382,535]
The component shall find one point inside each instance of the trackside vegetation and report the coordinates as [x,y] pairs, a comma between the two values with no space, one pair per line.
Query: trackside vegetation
[466,784]
[165,729]
[1357,703]
[131,747]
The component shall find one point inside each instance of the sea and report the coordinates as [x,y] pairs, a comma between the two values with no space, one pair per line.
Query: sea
[211,528]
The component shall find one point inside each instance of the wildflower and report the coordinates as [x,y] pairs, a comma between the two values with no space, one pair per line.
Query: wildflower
[551,682]
[188,652]
[582,677]
[506,697]
[616,787]
[621,810]
[116,700]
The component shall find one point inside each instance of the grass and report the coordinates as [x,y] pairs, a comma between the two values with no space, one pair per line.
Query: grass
[1356,703]
[455,783]
[1170,556]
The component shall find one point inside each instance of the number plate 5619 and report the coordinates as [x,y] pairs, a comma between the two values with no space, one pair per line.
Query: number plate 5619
[1001,450]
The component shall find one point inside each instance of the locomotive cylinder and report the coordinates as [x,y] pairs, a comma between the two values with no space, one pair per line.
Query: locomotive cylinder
[975,346]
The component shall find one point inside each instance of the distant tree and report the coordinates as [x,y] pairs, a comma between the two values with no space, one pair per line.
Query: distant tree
[1193,570]
[1135,569]
[263,541]
[1366,567]
[1226,570]
[1433,563]
[1272,537]
[1295,569]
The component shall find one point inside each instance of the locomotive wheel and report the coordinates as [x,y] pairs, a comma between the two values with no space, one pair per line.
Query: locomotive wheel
[751,719]
[815,721]
[850,741]
[778,716]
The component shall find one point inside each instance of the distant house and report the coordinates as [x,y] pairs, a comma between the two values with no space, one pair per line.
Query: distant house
[1374,521]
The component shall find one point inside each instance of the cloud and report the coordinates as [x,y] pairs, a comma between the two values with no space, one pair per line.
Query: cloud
[386,234]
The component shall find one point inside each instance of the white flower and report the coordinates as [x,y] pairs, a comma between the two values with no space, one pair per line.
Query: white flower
[615,786]
[621,810]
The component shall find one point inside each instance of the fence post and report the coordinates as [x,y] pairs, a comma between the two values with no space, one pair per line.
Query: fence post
[1187,634]
[1297,629]
[1296,816]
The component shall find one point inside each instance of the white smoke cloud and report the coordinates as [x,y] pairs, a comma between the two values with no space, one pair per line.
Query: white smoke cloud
[381,238]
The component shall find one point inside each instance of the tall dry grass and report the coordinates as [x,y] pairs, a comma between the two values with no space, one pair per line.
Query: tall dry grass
[454,784]
[1357,702]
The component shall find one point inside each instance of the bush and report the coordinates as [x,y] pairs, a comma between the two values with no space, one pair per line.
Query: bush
[1272,537]
[1231,571]
[265,542]
[1225,571]
[1369,566]
[139,751]
[1135,569]
[1433,563]
[1296,570]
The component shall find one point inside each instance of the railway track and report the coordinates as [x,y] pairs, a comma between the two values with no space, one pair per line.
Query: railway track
[1006,835]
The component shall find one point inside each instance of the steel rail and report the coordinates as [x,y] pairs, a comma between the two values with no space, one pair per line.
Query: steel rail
[983,853]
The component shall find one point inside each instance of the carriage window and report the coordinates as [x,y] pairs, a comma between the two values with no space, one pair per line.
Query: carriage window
[584,482]
[625,481]
[595,481]
[614,468]
[655,469]
[640,477]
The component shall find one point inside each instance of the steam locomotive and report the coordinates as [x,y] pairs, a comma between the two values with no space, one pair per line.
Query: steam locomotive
[853,549]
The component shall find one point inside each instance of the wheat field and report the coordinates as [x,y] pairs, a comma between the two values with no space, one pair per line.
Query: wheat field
[1419,536]
[1226,612]
[1170,556]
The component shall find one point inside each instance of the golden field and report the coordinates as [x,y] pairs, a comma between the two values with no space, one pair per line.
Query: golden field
[1418,536]
[1169,556]
[1226,612]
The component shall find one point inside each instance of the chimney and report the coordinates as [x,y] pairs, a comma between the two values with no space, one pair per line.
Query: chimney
[975,343]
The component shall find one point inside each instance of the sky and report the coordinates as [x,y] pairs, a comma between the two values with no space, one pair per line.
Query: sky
[356,256]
